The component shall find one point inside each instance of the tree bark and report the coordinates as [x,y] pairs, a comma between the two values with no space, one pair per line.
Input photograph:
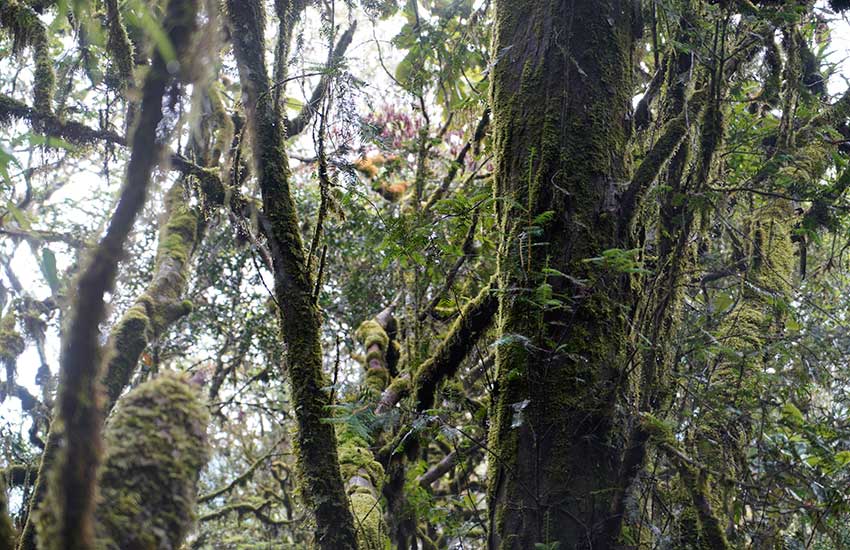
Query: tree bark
[299,315]
[561,92]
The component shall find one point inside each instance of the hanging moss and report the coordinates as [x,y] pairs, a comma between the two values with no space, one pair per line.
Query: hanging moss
[119,46]
[28,31]
[155,449]
[223,123]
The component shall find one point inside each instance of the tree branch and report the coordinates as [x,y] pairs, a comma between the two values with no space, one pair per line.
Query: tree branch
[300,122]
[71,492]
[473,320]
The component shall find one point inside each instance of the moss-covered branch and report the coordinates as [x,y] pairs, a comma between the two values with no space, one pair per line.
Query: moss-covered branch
[363,475]
[119,45]
[67,520]
[156,446]
[671,137]
[257,509]
[161,304]
[11,346]
[27,30]
[472,322]
[45,122]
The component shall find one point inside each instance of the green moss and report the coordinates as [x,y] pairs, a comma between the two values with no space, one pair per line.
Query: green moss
[178,237]
[371,531]
[128,340]
[357,460]
[11,342]
[378,378]
[560,125]
[28,31]
[364,477]
[155,449]
[371,333]
[656,429]
[119,46]
[474,319]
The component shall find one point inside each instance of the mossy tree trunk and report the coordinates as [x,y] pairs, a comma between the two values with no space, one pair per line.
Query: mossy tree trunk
[561,92]
[299,314]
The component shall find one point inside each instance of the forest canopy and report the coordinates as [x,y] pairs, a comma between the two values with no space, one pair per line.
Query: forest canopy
[424,274]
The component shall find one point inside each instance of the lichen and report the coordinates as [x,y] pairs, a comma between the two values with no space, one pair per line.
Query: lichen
[156,446]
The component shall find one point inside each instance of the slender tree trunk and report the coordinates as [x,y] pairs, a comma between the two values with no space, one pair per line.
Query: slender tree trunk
[561,92]
[300,318]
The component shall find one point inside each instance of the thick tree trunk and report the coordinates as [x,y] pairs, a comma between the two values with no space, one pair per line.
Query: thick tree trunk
[561,92]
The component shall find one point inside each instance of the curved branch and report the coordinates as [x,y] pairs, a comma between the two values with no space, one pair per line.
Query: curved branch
[300,122]
[474,319]
[160,306]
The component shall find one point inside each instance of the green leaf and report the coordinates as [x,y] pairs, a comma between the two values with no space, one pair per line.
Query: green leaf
[543,218]
[48,268]
[6,159]
[792,415]
[19,215]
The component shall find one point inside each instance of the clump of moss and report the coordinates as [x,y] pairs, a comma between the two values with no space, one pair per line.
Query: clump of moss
[375,340]
[371,333]
[364,478]
[371,531]
[28,31]
[11,343]
[155,448]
